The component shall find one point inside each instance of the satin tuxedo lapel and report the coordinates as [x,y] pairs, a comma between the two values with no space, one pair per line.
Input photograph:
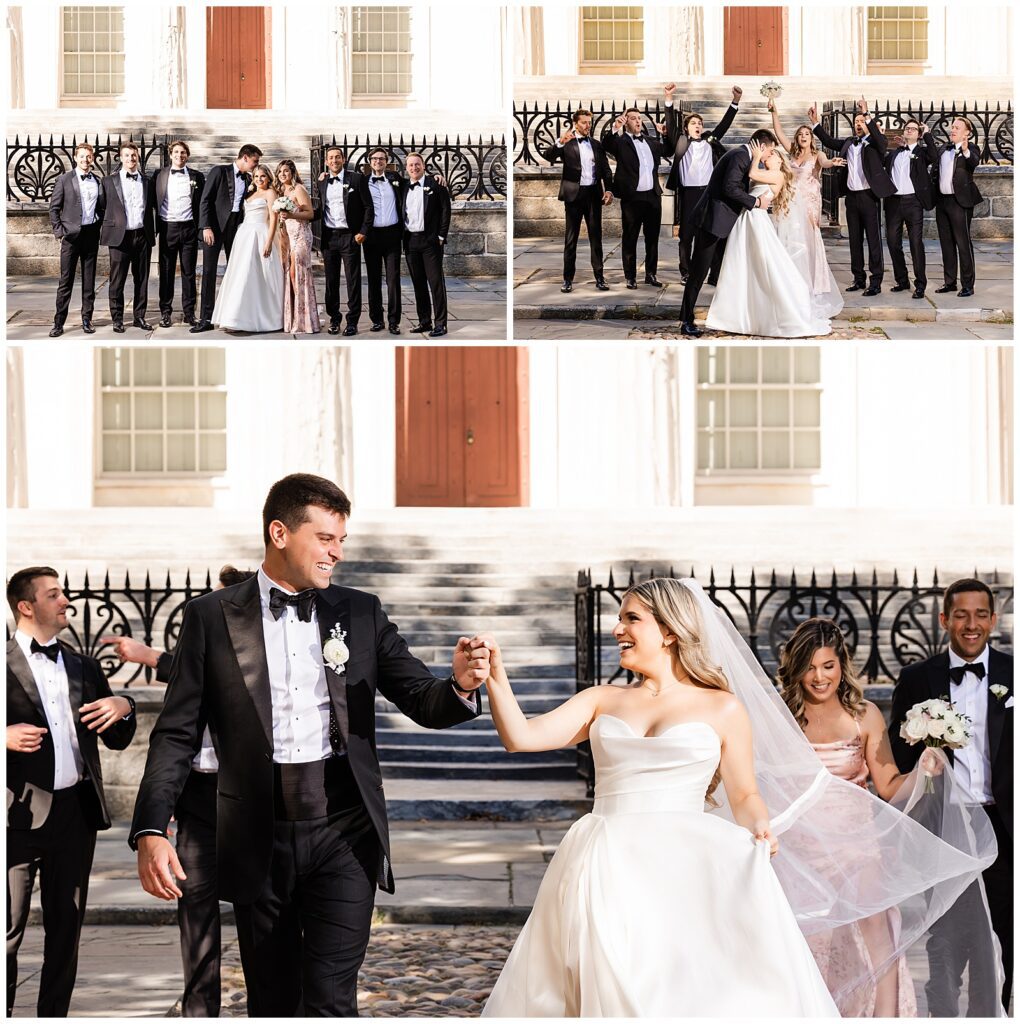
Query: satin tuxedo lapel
[75,681]
[118,188]
[162,183]
[997,673]
[76,181]
[243,617]
[18,664]
[331,610]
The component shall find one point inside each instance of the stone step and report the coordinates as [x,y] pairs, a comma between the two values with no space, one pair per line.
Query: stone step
[418,736]
[474,754]
[493,798]
[545,770]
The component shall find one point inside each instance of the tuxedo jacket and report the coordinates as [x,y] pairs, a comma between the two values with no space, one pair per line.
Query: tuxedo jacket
[727,194]
[438,208]
[925,152]
[928,679]
[159,187]
[966,192]
[30,776]
[358,206]
[570,182]
[216,204]
[678,142]
[220,676]
[628,166]
[115,217]
[872,161]
[65,205]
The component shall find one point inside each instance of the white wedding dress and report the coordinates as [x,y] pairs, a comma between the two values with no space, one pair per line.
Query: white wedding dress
[760,290]
[250,296]
[653,907]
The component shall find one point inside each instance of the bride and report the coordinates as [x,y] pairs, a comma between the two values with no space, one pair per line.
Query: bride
[760,290]
[251,292]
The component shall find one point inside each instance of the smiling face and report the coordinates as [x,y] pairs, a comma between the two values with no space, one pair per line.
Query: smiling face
[378,161]
[83,159]
[969,624]
[911,133]
[305,556]
[283,175]
[643,642]
[247,164]
[821,681]
[415,167]
[178,157]
[335,161]
[129,159]
[46,614]
[262,179]
[804,137]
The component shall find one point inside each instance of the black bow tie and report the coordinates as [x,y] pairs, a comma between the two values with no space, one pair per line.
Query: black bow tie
[957,674]
[87,177]
[856,141]
[415,184]
[52,651]
[173,170]
[133,177]
[332,181]
[584,139]
[303,601]
[380,177]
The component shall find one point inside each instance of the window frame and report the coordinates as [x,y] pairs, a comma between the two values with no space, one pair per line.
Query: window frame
[608,67]
[896,65]
[369,99]
[71,100]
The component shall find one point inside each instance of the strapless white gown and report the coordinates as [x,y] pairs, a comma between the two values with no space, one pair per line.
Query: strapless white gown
[653,908]
[760,290]
[250,296]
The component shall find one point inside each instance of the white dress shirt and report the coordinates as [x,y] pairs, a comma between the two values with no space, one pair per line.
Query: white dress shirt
[946,164]
[901,171]
[51,681]
[587,152]
[89,198]
[856,181]
[414,206]
[176,206]
[134,199]
[647,164]
[239,189]
[335,214]
[697,164]
[972,764]
[383,200]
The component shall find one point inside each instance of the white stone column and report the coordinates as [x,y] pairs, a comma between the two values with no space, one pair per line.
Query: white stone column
[833,41]
[195,57]
[42,42]
[713,20]
[977,40]
[529,40]
[17,466]
[562,47]
[373,401]
[142,93]
[543,408]
[340,72]
[16,50]
[168,59]
[686,43]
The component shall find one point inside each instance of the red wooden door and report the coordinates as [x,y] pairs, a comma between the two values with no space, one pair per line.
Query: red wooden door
[755,41]
[462,426]
[237,58]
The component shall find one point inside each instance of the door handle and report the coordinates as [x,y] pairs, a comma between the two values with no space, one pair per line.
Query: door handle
[759,47]
[242,73]
[470,436]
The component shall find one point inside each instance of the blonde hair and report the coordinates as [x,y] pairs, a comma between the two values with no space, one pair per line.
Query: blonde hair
[675,609]
[795,147]
[268,173]
[781,200]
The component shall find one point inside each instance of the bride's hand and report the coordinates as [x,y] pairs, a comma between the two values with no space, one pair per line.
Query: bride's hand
[267,250]
[495,654]
[762,830]
[756,151]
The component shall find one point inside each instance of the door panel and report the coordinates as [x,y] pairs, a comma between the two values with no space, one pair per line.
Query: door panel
[754,41]
[237,66]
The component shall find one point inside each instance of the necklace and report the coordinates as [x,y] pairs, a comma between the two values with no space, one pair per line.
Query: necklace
[655,693]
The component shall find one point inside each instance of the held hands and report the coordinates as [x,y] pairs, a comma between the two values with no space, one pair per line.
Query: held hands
[607,198]
[25,738]
[772,106]
[103,713]
[359,239]
[762,830]
[158,867]
[471,663]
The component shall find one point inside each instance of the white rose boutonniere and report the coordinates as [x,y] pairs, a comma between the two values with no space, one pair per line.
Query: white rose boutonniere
[335,652]
[395,184]
[999,691]
[427,190]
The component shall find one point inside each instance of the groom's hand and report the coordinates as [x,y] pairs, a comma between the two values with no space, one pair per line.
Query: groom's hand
[158,867]
[208,237]
[607,198]
[470,663]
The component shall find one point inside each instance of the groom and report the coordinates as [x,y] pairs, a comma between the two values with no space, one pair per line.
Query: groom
[726,197]
[284,670]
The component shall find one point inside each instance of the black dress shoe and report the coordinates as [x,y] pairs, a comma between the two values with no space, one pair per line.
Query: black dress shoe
[56,330]
[872,290]
[713,283]
[118,327]
[437,332]
[683,279]
[165,320]
[334,327]
[141,325]
[855,287]
[378,327]
[86,325]
[690,331]
[424,328]
[946,288]
[189,319]
[394,328]
[652,280]
[350,330]
[965,293]
[201,327]
[631,283]
[918,293]
[567,287]
[899,288]
[600,284]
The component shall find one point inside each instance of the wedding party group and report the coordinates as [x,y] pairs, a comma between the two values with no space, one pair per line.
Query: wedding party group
[750,216]
[756,847]
[261,221]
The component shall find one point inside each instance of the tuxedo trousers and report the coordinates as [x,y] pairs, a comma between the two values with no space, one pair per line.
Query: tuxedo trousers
[341,252]
[587,207]
[382,250]
[908,211]
[953,223]
[425,265]
[862,221]
[640,215]
[60,852]
[998,880]
[210,260]
[705,246]
[83,249]
[178,240]
[132,254]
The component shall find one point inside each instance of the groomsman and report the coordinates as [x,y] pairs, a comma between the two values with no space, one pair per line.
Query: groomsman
[637,187]
[585,187]
[909,166]
[956,195]
[76,213]
[866,184]
[177,195]
[58,702]
[347,211]
[695,154]
[129,230]
[427,210]
[220,211]
[382,242]
[979,681]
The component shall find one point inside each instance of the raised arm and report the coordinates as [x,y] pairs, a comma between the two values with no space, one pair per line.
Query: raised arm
[736,766]
[777,128]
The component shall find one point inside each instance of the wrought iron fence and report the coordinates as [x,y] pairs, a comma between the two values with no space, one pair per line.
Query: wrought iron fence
[888,624]
[33,167]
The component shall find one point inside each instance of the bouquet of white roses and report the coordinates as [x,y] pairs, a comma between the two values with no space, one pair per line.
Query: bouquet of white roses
[770,90]
[936,723]
[285,205]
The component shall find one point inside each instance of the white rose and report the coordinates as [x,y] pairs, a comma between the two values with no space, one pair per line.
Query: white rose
[955,735]
[914,729]
[915,712]
[937,727]
[938,707]
[335,652]
[998,690]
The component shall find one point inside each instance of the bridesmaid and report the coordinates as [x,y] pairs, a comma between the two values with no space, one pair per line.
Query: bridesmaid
[300,308]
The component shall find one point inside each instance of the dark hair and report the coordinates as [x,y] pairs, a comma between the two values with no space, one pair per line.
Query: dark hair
[629,109]
[330,149]
[912,120]
[967,122]
[181,142]
[127,145]
[579,113]
[378,149]
[966,586]
[288,500]
[689,117]
[19,586]
[294,176]
[230,576]
[248,150]
[763,135]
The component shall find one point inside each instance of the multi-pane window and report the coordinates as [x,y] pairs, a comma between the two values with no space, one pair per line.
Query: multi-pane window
[381,51]
[612,35]
[93,51]
[898,34]
[758,409]
[163,411]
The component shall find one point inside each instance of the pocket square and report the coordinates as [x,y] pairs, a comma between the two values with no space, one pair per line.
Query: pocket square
[1009,703]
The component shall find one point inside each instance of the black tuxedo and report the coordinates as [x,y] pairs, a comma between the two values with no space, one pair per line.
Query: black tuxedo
[909,210]
[77,242]
[953,214]
[930,679]
[424,250]
[726,197]
[338,246]
[689,195]
[177,239]
[641,210]
[129,249]
[382,250]
[215,211]
[51,832]
[220,675]
[581,202]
